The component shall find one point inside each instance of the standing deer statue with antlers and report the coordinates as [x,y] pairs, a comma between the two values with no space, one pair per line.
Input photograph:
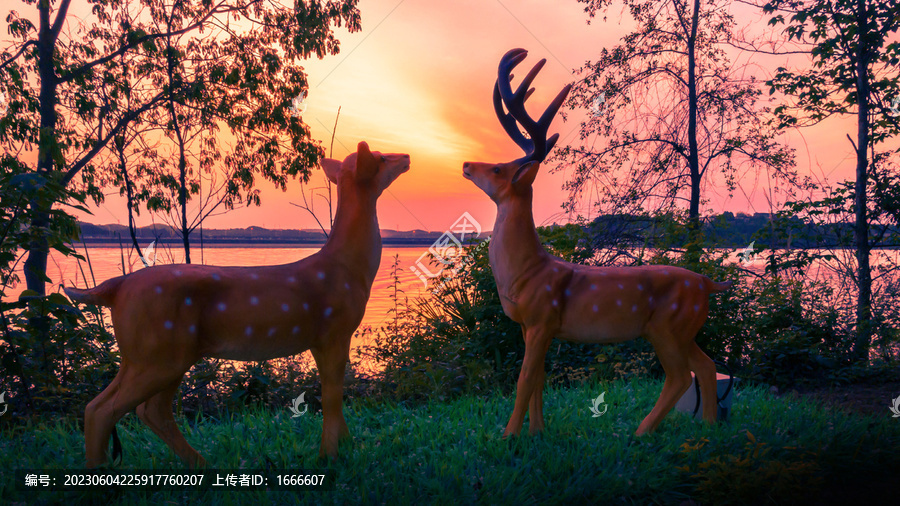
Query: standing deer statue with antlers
[167,317]
[551,298]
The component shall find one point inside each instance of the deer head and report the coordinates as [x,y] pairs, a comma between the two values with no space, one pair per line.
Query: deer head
[371,171]
[501,181]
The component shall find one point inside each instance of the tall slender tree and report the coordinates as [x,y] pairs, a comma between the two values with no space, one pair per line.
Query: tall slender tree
[668,108]
[854,53]
[51,78]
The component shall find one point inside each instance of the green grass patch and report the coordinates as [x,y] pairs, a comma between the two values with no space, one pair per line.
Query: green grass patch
[771,450]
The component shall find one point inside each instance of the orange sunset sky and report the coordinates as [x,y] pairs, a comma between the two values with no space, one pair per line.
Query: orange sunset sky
[418,79]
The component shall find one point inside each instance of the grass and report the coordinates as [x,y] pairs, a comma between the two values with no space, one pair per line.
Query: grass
[770,451]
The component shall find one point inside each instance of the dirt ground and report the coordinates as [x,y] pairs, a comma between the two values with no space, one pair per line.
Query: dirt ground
[865,398]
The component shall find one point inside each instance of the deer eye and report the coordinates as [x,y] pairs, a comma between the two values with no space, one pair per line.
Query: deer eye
[497,169]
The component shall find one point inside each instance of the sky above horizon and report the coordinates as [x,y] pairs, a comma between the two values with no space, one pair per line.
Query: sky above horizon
[418,79]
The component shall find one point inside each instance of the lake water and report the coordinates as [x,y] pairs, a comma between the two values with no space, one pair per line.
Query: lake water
[106,262]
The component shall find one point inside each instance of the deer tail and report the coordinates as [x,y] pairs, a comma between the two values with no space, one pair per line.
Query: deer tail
[101,295]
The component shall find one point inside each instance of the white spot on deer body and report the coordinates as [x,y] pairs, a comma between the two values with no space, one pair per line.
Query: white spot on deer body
[687,282]
[696,308]
[621,286]
[674,306]
[158,289]
[221,306]
[328,311]
[346,286]
[253,276]
[321,275]
[634,308]
[618,302]
[188,301]
[291,279]
[568,292]
[548,288]
[555,302]
[665,272]
[305,306]
[641,287]
[216,277]
[296,330]
[254,300]
[556,269]
[593,287]
[168,325]
[192,329]
[271,331]
[177,272]
[650,300]
[702,286]
[248,330]
[285,308]
[595,308]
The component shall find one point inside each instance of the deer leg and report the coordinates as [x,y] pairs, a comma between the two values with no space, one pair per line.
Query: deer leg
[331,363]
[674,359]
[537,341]
[156,413]
[132,385]
[97,431]
[705,371]
[536,406]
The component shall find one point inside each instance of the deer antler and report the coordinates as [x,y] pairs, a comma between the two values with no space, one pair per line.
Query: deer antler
[537,147]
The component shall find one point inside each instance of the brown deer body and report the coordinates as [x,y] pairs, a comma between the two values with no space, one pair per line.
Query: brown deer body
[167,317]
[551,298]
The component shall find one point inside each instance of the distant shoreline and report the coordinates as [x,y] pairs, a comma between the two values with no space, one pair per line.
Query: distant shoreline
[261,243]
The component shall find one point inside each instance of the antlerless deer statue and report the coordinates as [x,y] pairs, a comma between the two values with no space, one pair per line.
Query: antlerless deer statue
[551,298]
[167,317]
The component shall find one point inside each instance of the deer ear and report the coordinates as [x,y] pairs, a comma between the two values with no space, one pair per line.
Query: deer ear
[526,174]
[331,167]
[366,164]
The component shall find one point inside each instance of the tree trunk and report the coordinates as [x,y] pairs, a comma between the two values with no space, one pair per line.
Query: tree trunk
[38,250]
[182,161]
[861,229]
[693,253]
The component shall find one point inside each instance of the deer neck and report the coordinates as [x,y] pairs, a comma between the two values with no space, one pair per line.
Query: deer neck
[515,248]
[355,239]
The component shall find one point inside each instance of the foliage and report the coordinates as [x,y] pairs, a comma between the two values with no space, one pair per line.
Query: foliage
[457,340]
[56,372]
[854,54]
[72,95]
